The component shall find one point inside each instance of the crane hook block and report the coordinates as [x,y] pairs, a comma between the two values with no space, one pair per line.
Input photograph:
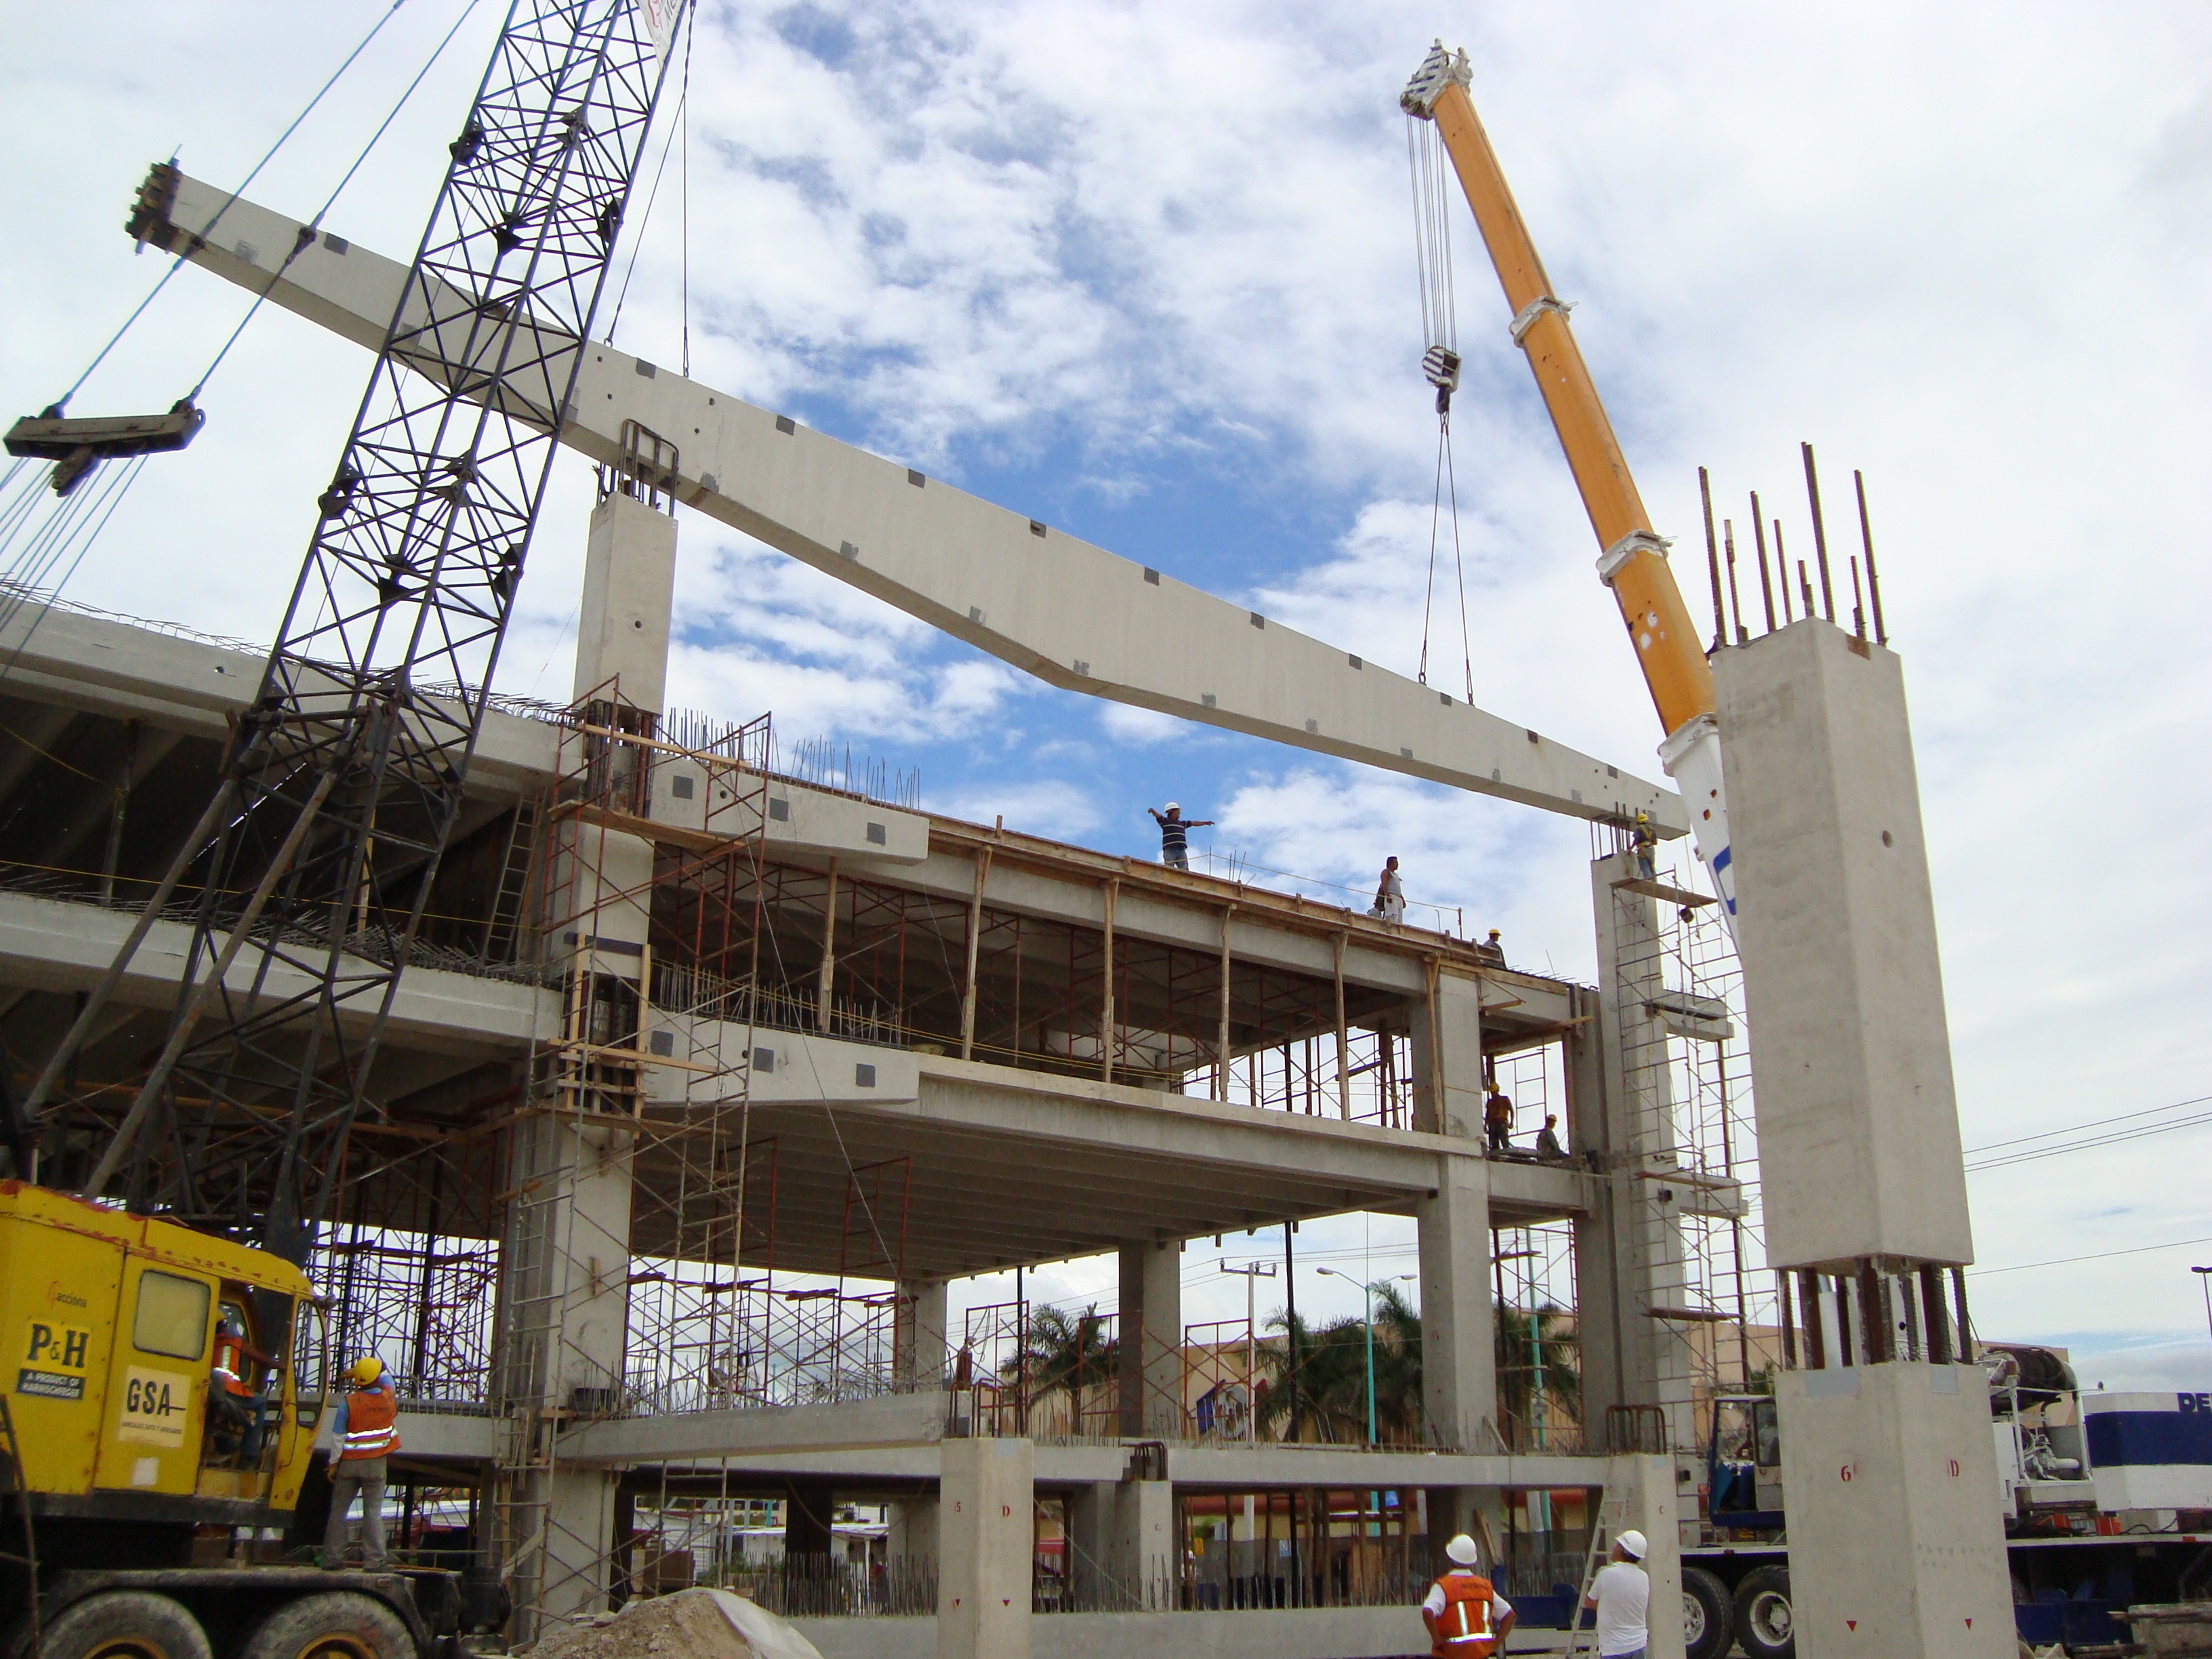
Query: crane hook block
[75,447]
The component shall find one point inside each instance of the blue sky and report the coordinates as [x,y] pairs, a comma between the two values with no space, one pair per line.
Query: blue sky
[1145,269]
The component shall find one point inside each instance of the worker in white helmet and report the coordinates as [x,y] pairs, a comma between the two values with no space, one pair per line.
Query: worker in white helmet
[1175,835]
[1620,1595]
[1466,1617]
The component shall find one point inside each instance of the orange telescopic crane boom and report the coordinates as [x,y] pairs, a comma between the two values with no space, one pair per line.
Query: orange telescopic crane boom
[1633,561]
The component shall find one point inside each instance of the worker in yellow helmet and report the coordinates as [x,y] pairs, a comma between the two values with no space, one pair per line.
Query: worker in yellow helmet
[1644,845]
[366,1433]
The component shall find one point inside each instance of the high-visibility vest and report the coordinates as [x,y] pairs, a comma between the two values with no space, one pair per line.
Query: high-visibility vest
[230,1363]
[372,1424]
[1463,1628]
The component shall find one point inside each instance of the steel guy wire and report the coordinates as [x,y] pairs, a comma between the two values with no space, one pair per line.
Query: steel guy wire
[281,138]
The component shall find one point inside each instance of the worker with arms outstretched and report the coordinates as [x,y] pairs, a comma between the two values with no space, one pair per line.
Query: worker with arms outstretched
[366,1433]
[1466,1617]
[1175,835]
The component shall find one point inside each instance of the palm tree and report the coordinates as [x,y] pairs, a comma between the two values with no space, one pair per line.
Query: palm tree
[1065,1350]
[1331,1375]
[1528,1342]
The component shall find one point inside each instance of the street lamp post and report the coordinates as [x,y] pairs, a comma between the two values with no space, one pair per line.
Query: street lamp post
[1368,1293]
[2204,1277]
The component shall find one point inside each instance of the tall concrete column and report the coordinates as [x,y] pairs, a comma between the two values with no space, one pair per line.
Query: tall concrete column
[1447,1051]
[564,1298]
[1629,1253]
[1459,1360]
[1151,1339]
[918,1341]
[986,1538]
[1895,1547]
[1092,1577]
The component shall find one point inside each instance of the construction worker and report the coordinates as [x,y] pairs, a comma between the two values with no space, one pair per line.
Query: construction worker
[1643,844]
[1497,1121]
[1389,893]
[1620,1595]
[1547,1140]
[1490,951]
[366,1433]
[1175,835]
[1466,1617]
[235,1403]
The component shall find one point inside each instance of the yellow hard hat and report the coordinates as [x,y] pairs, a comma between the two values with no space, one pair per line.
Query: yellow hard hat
[367,1370]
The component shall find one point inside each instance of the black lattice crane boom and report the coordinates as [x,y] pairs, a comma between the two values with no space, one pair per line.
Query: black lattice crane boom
[343,780]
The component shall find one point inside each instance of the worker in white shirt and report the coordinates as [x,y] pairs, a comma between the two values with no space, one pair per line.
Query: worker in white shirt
[1466,1617]
[1620,1595]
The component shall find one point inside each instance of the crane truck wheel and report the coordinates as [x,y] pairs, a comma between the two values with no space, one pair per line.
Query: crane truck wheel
[125,1625]
[1708,1616]
[337,1625]
[1764,1621]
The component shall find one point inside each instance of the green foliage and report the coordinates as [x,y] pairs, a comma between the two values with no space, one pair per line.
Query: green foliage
[1530,1342]
[1067,1350]
[1332,1376]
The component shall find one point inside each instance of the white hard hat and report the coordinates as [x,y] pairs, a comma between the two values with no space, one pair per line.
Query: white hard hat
[1632,1544]
[1462,1549]
[1175,806]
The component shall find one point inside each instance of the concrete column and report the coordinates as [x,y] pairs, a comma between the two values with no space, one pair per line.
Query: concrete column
[1638,1244]
[629,586]
[1145,1543]
[1447,1047]
[1644,1488]
[810,1514]
[1152,1339]
[1896,1549]
[918,1344]
[1459,1364]
[913,1530]
[1092,1577]
[987,1534]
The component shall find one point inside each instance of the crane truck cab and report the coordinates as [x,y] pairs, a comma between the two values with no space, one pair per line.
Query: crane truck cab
[155,1407]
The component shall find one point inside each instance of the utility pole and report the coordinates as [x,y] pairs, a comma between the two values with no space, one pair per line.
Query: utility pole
[1251,1273]
[1290,1331]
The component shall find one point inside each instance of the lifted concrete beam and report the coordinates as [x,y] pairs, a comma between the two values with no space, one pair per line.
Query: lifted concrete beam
[1070,613]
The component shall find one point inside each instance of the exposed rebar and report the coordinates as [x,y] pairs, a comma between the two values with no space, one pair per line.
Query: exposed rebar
[1819,538]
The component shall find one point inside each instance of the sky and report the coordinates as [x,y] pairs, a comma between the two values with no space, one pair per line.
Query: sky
[1145,271]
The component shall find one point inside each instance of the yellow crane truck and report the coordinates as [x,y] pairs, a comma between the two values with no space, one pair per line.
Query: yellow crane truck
[125,1494]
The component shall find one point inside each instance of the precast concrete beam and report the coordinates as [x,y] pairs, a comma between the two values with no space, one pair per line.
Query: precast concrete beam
[1070,613]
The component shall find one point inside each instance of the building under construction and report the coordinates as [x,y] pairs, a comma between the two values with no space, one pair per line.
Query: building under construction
[706,1083]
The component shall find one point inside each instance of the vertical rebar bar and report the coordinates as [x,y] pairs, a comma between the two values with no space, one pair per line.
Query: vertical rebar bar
[1804,588]
[1858,604]
[1866,540]
[1712,559]
[1736,601]
[1939,1326]
[1766,584]
[1782,574]
[1820,536]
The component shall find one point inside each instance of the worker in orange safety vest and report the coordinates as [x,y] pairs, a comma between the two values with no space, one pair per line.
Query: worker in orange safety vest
[234,1405]
[366,1433]
[1466,1617]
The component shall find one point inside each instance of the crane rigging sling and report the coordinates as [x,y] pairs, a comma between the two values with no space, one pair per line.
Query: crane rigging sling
[1440,365]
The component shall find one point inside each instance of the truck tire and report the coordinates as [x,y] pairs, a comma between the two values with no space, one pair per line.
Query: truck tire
[335,1624]
[1763,1619]
[1708,1615]
[125,1625]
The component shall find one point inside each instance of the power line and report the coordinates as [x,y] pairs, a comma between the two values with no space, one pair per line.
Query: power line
[2122,1117]
[2100,1255]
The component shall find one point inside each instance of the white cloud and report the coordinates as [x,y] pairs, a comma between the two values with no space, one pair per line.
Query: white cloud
[1963,249]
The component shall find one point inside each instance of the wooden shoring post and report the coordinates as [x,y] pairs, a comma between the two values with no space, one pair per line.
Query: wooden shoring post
[829,946]
[975,940]
[1113,889]
[1438,1093]
[1343,1040]
[1221,1048]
